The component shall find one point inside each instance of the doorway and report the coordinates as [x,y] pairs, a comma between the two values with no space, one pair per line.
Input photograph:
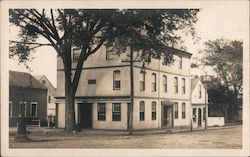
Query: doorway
[199,117]
[167,116]
[85,115]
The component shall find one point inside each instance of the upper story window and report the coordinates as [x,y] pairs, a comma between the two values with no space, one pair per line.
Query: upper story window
[109,53]
[165,83]
[176,84]
[101,108]
[180,63]
[153,82]
[153,110]
[142,81]
[116,80]
[183,107]
[199,91]
[76,55]
[183,87]
[176,110]
[142,111]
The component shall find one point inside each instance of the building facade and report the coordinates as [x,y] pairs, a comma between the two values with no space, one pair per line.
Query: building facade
[51,106]
[162,93]
[199,101]
[27,97]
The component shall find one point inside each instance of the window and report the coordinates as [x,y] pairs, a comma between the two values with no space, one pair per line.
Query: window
[49,99]
[33,109]
[142,111]
[109,53]
[199,91]
[153,110]
[165,83]
[10,109]
[117,80]
[183,86]
[142,81]
[180,63]
[176,84]
[76,54]
[101,109]
[153,82]
[183,107]
[176,110]
[116,115]
[91,81]
[194,114]
[22,108]
[204,113]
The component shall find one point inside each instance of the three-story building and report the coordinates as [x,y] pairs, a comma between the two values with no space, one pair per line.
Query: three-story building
[162,93]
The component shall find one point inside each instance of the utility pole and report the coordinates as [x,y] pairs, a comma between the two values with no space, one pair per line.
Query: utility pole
[130,126]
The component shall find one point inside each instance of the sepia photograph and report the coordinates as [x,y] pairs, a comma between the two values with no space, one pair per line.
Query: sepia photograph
[106,78]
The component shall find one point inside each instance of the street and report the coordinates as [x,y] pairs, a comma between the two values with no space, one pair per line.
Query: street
[223,138]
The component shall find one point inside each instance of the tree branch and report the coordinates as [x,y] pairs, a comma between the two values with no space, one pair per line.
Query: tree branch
[30,43]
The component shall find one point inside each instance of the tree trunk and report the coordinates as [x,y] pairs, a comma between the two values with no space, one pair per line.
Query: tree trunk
[70,123]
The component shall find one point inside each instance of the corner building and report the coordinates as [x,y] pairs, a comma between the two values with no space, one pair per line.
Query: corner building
[162,93]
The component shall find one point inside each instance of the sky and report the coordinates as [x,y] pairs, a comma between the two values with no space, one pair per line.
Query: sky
[215,20]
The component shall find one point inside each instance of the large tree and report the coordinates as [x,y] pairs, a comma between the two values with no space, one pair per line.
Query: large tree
[149,31]
[225,58]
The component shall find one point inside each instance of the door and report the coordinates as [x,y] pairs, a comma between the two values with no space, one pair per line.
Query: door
[85,115]
[199,117]
[167,117]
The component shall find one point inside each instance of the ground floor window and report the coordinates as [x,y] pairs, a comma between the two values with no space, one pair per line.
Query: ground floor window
[176,110]
[22,108]
[153,110]
[183,111]
[101,108]
[10,109]
[204,113]
[116,114]
[33,110]
[194,114]
[142,111]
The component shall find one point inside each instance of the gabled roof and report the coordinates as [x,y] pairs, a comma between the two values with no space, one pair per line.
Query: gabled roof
[194,82]
[48,85]
[23,79]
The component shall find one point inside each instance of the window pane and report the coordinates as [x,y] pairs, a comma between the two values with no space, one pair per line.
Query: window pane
[101,111]
[117,80]
[142,110]
[194,114]
[176,110]
[33,109]
[116,115]
[183,110]
[153,110]
[153,82]
[176,84]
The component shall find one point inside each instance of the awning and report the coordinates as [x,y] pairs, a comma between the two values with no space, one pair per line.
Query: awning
[167,103]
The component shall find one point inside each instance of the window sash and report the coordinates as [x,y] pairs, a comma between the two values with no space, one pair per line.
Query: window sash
[176,84]
[194,114]
[165,83]
[183,110]
[33,111]
[116,114]
[176,111]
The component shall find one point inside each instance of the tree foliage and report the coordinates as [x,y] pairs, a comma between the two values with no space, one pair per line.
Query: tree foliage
[148,31]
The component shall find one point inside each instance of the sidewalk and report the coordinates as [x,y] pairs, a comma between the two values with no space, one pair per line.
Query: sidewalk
[60,132]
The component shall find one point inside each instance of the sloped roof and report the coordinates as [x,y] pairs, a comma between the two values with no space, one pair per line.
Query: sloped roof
[22,79]
[38,77]
[194,82]
[49,85]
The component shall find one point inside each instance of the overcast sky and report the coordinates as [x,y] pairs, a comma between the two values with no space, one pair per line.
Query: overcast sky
[215,20]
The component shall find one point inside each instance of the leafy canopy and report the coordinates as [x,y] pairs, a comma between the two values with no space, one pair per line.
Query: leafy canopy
[146,30]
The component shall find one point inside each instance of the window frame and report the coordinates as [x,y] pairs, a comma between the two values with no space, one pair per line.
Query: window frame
[165,84]
[180,65]
[183,110]
[176,110]
[25,108]
[115,72]
[153,110]
[142,111]
[116,113]
[76,55]
[154,82]
[142,81]
[101,113]
[33,103]
[194,115]
[91,81]
[176,85]
[183,80]
[10,109]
